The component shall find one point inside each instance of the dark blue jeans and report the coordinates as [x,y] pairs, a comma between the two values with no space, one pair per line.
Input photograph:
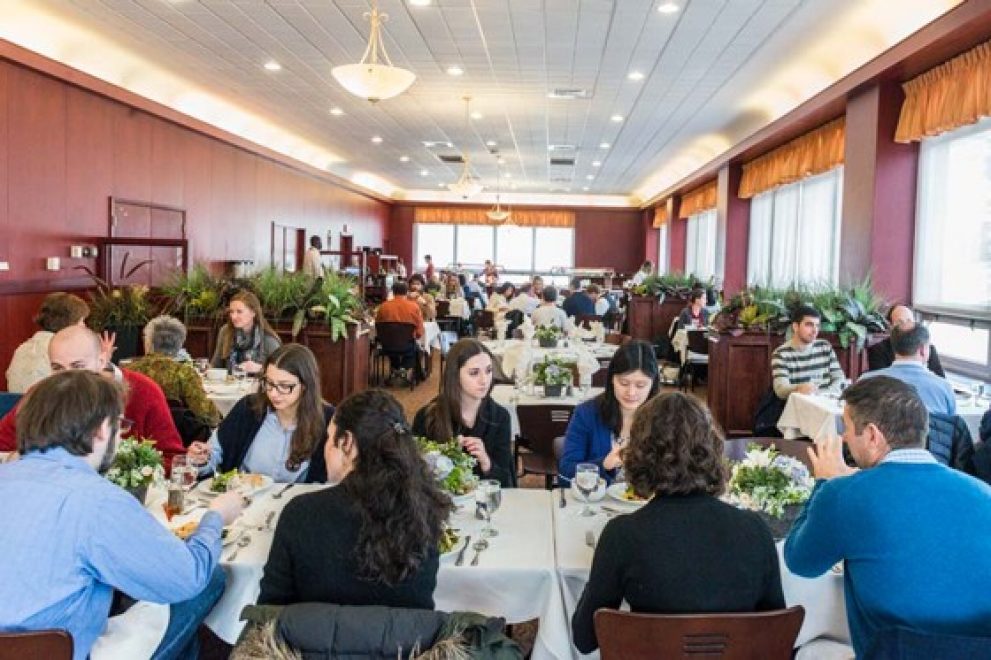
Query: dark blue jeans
[180,641]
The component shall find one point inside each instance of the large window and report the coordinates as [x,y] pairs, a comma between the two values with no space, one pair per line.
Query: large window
[663,251]
[795,232]
[700,244]
[953,244]
[520,251]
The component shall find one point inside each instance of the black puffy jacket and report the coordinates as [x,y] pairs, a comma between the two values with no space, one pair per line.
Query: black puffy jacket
[950,442]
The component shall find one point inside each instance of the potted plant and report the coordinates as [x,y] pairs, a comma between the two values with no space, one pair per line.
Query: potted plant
[137,465]
[195,295]
[554,374]
[773,485]
[336,301]
[451,465]
[122,310]
[547,336]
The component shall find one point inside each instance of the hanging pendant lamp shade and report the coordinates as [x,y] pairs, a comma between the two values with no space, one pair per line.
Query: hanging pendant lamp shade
[467,185]
[497,214]
[370,79]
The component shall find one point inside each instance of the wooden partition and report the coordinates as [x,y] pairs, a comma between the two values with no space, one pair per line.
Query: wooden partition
[648,319]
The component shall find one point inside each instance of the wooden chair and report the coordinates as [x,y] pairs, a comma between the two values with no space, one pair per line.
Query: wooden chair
[484,319]
[586,320]
[744,636]
[698,356]
[541,439]
[397,343]
[616,339]
[736,449]
[36,645]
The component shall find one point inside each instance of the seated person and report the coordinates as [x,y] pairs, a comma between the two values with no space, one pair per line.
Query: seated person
[280,429]
[400,309]
[474,291]
[524,301]
[685,551]
[164,337]
[465,410]
[452,288]
[147,411]
[694,316]
[805,364]
[247,339]
[882,354]
[601,426]
[499,301]
[549,313]
[601,302]
[423,300]
[578,303]
[71,537]
[911,345]
[537,284]
[646,270]
[909,560]
[373,538]
[30,362]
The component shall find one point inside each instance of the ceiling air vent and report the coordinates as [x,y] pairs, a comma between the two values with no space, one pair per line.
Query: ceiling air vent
[434,144]
[451,158]
[562,148]
[562,162]
[560,179]
[569,93]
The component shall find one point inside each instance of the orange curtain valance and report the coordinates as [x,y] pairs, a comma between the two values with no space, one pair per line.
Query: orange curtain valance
[951,95]
[522,218]
[700,199]
[815,152]
[661,215]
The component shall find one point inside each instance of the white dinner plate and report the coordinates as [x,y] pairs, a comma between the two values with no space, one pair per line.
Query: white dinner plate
[265,482]
[455,549]
[617,492]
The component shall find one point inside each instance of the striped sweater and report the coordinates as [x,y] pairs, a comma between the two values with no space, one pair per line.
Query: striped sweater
[816,363]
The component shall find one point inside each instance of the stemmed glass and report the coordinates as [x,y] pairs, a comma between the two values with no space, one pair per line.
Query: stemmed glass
[202,365]
[488,496]
[184,472]
[587,480]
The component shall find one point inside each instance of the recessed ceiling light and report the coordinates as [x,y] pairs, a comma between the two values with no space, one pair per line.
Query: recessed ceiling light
[667,7]
[404,159]
[596,163]
[477,115]
[501,160]
[604,145]
[616,118]
[585,188]
[424,172]
[491,143]
[419,3]
[635,75]
[272,65]
[377,139]
[512,186]
[441,184]
[589,176]
[508,175]
[455,70]
[337,112]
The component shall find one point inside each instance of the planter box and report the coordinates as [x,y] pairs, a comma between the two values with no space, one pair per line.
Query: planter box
[343,363]
[648,319]
[201,337]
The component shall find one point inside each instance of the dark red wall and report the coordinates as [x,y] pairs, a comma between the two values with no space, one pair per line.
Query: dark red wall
[737,213]
[64,151]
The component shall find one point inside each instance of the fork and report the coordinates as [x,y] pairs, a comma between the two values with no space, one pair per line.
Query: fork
[278,496]
[242,543]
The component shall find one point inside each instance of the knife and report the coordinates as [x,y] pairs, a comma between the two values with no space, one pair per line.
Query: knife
[461,555]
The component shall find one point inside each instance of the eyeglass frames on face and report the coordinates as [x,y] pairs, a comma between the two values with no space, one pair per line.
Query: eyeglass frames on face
[281,388]
[124,425]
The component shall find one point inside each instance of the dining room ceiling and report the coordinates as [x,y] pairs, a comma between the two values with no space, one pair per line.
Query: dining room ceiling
[589,97]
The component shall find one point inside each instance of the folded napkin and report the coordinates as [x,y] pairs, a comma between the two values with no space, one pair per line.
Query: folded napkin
[134,634]
[517,360]
[527,328]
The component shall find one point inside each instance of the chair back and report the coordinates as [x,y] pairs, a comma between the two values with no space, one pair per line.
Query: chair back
[540,424]
[698,342]
[484,319]
[395,337]
[8,401]
[736,449]
[36,645]
[443,308]
[585,320]
[744,636]
[617,339]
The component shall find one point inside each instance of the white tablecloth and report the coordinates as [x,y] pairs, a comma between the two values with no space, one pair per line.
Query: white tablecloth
[822,597]
[507,397]
[431,336]
[459,307]
[224,395]
[512,352]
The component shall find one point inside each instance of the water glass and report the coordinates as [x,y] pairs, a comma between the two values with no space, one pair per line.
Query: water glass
[587,480]
[201,364]
[239,373]
[488,495]
[184,473]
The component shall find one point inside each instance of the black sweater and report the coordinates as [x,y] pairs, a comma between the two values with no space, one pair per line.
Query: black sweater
[494,427]
[681,555]
[312,559]
[881,356]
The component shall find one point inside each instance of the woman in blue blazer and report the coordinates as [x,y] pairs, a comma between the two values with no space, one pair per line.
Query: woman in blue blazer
[600,427]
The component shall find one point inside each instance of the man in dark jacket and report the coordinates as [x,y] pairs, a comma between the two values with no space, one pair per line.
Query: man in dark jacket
[950,441]
[882,354]
[578,303]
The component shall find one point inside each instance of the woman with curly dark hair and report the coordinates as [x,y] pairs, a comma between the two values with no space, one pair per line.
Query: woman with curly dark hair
[373,538]
[684,551]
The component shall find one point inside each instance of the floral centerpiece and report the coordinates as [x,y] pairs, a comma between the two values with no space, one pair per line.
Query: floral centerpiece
[137,465]
[547,335]
[771,484]
[554,374]
[452,466]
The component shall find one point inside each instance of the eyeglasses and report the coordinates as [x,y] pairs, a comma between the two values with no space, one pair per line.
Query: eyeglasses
[281,388]
[124,425]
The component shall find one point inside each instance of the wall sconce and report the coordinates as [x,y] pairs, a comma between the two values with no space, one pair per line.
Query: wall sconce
[53,263]
[83,251]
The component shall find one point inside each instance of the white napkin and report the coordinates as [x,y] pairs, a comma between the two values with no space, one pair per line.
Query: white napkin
[587,363]
[517,359]
[527,328]
[134,634]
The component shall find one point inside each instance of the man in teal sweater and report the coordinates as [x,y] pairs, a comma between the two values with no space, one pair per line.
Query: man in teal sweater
[913,534]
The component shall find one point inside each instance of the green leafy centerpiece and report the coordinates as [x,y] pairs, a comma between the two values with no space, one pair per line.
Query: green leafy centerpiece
[554,373]
[773,485]
[136,466]
[451,465]
[547,336]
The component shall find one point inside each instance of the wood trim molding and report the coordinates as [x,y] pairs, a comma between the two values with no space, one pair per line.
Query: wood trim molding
[46,286]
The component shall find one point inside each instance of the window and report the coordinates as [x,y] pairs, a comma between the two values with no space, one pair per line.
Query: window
[700,249]
[662,249]
[795,232]
[520,251]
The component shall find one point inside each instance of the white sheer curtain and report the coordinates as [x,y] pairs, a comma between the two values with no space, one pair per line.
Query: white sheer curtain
[795,232]
[700,244]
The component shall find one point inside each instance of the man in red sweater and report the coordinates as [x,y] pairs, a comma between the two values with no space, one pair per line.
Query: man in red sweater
[77,347]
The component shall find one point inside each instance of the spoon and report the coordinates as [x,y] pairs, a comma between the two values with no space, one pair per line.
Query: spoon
[461,555]
[479,545]
[242,543]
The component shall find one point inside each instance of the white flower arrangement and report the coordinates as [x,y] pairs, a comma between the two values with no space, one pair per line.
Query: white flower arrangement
[136,463]
[767,481]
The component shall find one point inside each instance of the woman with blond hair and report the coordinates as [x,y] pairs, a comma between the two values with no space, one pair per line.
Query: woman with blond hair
[247,339]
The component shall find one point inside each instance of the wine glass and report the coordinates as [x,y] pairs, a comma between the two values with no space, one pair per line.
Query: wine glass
[201,364]
[184,472]
[587,480]
[488,495]
[239,374]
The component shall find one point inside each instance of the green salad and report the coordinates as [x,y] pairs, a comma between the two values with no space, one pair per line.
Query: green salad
[222,481]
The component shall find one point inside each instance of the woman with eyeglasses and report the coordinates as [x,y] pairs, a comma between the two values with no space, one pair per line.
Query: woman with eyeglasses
[280,430]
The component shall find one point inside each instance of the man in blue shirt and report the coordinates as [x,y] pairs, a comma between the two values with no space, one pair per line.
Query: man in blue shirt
[578,303]
[70,537]
[909,530]
[910,343]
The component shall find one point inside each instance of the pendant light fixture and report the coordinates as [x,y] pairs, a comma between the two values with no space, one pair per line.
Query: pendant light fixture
[467,185]
[370,79]
[497,214]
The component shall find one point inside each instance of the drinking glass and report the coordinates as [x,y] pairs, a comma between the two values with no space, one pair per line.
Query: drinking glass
[201,364]
[488,494]
[184,472]
[239,374]
[587,480]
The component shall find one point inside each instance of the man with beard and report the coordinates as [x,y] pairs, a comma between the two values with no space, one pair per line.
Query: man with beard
[71,537]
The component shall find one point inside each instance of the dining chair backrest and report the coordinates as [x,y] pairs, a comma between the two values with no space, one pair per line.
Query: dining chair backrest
[745,636]
[541,423]
[616,339]
[698,342]
[586,320]
[443,308]
[485,319]
[8,401]
[395,337]
[36,645]
[735,449]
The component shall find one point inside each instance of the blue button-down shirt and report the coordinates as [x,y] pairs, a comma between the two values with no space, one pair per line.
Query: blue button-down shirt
[68,537]
[936,393]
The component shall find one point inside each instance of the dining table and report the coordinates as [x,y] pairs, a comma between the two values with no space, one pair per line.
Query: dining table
[225,393]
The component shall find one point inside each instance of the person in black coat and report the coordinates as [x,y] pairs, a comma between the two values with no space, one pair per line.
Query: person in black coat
[882,354]
[280,430]
[464,410]
[373,538]
[684,551]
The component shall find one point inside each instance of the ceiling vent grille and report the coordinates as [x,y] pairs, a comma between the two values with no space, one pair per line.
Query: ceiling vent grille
[562,162]
[569,93]
[451,158]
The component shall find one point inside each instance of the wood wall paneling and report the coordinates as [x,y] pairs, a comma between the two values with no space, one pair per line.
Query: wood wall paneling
[5,245]
[677,236]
